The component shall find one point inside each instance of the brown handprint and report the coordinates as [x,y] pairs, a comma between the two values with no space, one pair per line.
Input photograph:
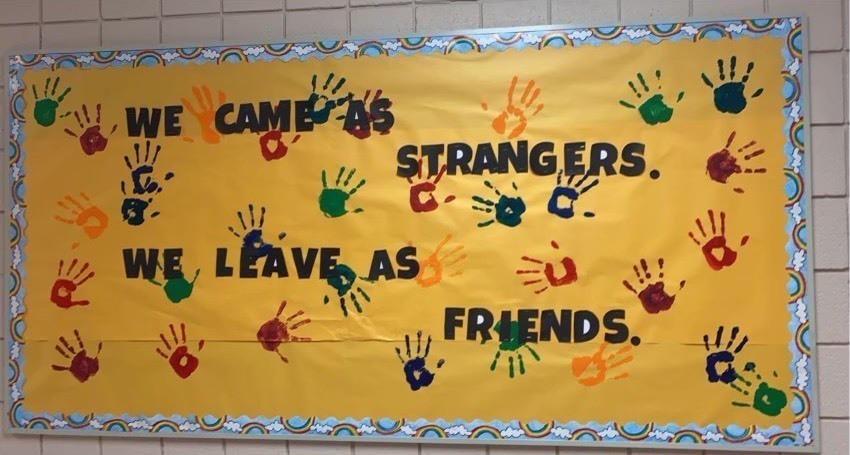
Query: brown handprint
[274,332]
[426,186]
[717,253]
[182,362]
[65,285]
[593,370]
[205,112]
[516,113]
[91,218]
[82,366]
[653,297]
[91,138]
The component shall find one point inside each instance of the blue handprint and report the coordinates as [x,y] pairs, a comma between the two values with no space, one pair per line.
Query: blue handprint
[729,96]
[252,239]
[571,193]
[416,373]
[725,356]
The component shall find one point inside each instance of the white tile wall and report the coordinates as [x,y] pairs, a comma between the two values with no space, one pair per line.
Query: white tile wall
[30,24]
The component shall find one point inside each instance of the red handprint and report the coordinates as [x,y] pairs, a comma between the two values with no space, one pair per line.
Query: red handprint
[427,187]
[91,139]
[568,276]
[65,285]
[82,366]
[274,331]
[182,362]
[715,250]
[275,138]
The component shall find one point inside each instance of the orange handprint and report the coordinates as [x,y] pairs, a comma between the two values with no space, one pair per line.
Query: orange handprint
[593,370]
[516,112]
[205,113]
[432,267]
[92,219]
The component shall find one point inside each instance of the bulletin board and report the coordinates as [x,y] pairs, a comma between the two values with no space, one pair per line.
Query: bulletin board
[588,236]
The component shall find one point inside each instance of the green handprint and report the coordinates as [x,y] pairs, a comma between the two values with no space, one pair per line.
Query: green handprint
[45,108]
[332,200]
[766,399]
[653,110]
[510,347]
[179,288]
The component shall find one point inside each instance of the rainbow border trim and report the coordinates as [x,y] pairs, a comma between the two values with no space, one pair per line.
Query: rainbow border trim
[800,435]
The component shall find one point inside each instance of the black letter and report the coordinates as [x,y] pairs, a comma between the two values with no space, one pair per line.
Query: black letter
[221,267]
[382,118]
[452,322]
[480,320]
[540,164]
[147,263]
[303,121]
[620,330]
[146,119]
[549,323]
[327,261]
[459,154]
[597,161]
[408,165]
[172,123]
[220,123]
[633,154]
[579,319]
[408,266]
[304,266]
[572,158]
[275,263]
[526,324]
[381,266]
[171,263]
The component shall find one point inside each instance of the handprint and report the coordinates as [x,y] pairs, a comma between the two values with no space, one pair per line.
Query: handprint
[252,239]
[729,96]
[568,276]
[90,218]
[766,399]
[716,252]
[91,139]
[508,210]
[342,278]
[177,288]
[322,102]
[182,362]
[332,200]
[416,372]
[515,114]
[361,128]
[593,370]
[511,347]
[427,187]
[653,110]
[44,111]
[133,208]
[723,356]
[280,148]
[274,331]
[653,297]
[82,366]
[205,112]
[571,192]
[65,285]
[721,165]
[432,267]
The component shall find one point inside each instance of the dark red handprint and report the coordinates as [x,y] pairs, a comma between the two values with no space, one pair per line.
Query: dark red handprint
[91,138]
[63,288]
[723,164]
[567,272]
[717,253]
[426,187]
[182,362]
[653,297]
[274,331]
[373,112]
[272,145]
[82,366]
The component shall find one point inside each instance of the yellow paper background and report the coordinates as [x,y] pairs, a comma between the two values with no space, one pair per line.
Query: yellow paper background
[351,369]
